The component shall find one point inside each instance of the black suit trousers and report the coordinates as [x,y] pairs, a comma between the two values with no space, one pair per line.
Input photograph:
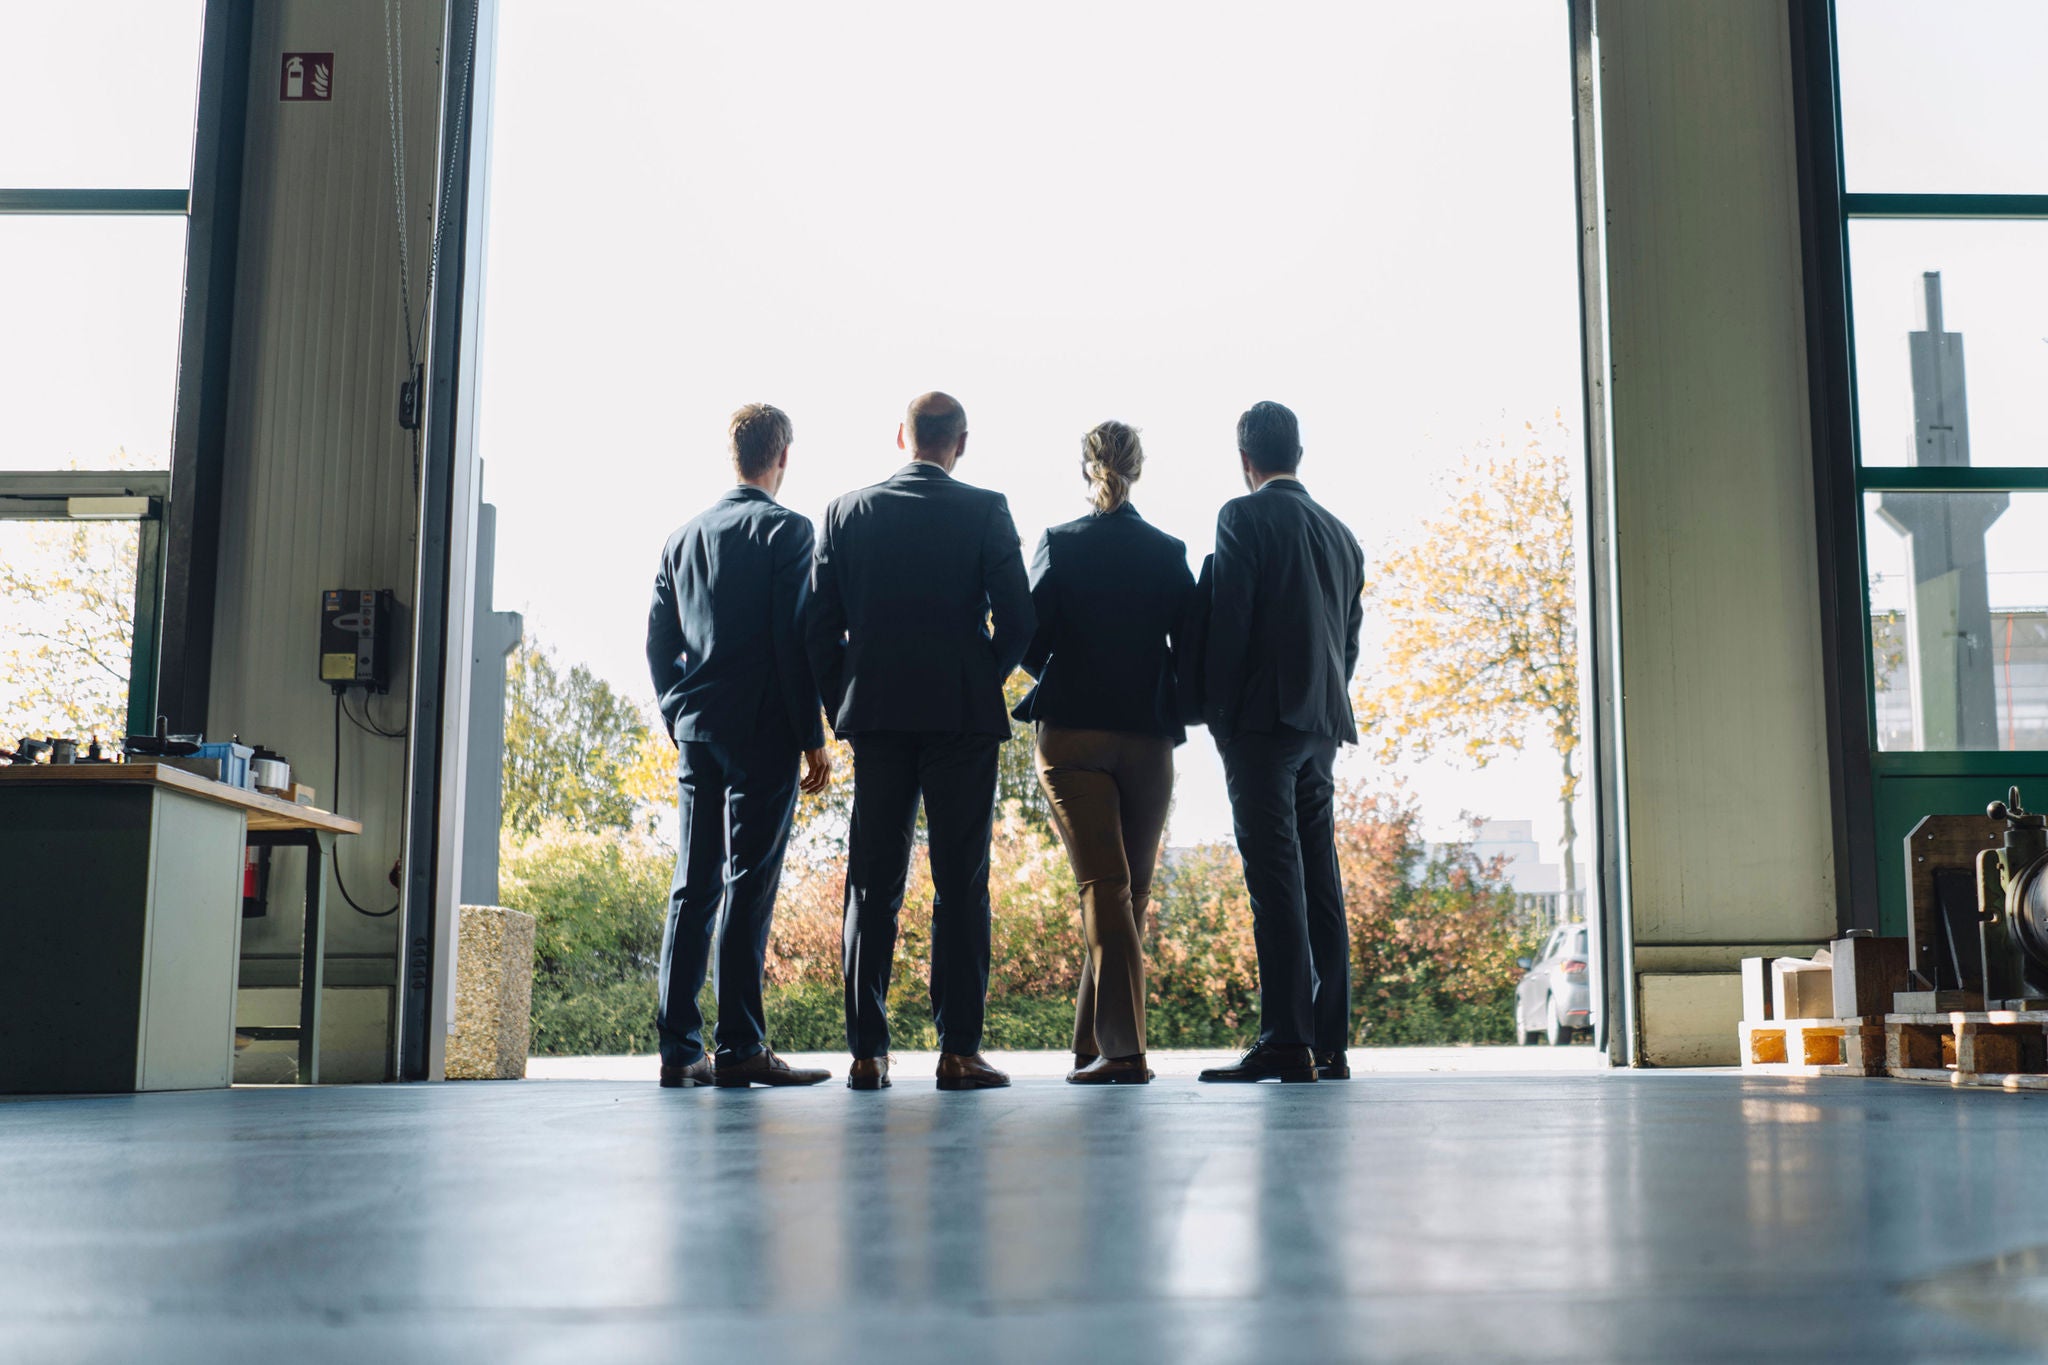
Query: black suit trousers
[1283,804]
[735,804]
[956,776]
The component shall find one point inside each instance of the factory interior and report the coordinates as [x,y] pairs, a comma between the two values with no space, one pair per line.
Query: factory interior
[1820,950]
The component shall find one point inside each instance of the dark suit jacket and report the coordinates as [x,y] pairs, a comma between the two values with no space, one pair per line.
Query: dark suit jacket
[1283,618]
[1113,595]
[909,574]
[724,641]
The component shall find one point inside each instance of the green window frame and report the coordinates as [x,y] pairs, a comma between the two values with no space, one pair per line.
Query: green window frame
[1906,785]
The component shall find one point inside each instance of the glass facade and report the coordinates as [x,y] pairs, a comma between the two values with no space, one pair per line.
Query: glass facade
[1943,97]
[98,103]
[1945,199]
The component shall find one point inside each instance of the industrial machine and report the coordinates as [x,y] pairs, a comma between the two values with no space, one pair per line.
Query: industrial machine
[2012,909]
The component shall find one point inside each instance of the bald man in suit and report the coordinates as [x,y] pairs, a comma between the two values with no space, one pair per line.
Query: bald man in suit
[919,610]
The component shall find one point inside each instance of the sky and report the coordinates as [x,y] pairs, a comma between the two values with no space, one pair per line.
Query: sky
[1160,213]
[89,352]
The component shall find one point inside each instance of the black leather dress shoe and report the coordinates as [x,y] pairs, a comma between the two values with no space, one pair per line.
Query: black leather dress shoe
[967,1071]
[699,1072]
[1333,1066]
[1288,1064]
[868,1073]
[765,1068]
[1112,1071]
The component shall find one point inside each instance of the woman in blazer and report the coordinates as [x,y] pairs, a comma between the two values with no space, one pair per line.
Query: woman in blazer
[1114,598]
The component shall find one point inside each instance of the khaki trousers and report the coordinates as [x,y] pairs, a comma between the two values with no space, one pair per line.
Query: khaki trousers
[1109,793]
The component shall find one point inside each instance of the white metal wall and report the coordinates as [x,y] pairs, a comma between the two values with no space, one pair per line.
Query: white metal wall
[318,483]
[1730,847]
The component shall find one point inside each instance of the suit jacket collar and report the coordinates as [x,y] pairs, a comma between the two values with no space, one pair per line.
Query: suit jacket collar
[1284,483]
[746,492]
[921,469]
[1124,509]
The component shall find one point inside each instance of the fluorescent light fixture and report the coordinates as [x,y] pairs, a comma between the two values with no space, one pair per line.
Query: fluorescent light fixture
[106,509]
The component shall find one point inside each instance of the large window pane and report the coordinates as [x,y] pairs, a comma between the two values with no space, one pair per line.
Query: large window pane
[1976,390]
[97,92]
[67,602]
[1959,619]
[89,348]
[1945,97]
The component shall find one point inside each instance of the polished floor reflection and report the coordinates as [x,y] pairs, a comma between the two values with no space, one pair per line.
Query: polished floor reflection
[1581,1217]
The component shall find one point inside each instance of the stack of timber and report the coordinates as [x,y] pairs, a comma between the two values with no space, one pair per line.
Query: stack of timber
[1998,1049]
[1822,1016]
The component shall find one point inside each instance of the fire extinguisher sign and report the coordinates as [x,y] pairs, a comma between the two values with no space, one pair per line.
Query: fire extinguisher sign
[306,76]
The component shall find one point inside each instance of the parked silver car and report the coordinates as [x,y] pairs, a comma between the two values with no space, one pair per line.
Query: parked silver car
[1553,1000]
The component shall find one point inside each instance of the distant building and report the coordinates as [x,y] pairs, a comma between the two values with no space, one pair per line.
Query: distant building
[1514,843]
[2017,657]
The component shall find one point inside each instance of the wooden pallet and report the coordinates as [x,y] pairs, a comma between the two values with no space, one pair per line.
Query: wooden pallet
[1815,1047]
[1997,1049]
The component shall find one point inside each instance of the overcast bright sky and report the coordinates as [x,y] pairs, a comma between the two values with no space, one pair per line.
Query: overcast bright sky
[1155,212]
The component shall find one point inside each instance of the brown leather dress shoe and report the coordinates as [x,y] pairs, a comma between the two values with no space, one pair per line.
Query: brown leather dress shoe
[1287,1064]
[1082,1059]
[967,1071]
[1112,1071]
[1333,1066]
[868,1073]
[765,1068]
[699,1072]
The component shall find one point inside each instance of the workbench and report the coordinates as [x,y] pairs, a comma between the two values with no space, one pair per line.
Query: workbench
[121,919]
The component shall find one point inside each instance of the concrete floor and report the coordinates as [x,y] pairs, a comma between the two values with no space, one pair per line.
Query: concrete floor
[1584,1217]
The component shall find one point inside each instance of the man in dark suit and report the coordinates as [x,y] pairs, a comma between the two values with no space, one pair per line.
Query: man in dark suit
[724,645]
[909,575]
[1282,642]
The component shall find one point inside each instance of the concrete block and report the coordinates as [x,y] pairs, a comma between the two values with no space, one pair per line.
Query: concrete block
[493,995]
[1756,989]
[1802,989]
[1689,1018]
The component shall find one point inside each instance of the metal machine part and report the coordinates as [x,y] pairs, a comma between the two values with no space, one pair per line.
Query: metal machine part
[2012,908]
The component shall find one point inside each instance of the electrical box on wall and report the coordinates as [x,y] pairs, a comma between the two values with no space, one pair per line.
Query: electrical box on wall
[355,638]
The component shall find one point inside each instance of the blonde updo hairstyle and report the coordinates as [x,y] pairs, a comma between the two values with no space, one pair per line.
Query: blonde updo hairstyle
[1111,460]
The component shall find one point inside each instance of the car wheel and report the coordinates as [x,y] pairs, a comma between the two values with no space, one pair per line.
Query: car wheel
[1555,1032]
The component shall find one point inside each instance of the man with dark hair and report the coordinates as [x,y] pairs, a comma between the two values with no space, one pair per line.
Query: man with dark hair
[725,648]
[909,575]
[1287,585]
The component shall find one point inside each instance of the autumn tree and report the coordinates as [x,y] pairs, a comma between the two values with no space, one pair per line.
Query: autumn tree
[1481,620]
[571,743]
[67,624]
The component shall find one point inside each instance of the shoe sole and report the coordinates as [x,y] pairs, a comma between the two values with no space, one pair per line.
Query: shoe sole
[1295,1077]
[741,1083]
[1146,1079]
[946,1084]
[882,1084]
[690,1084]
[1341,1073]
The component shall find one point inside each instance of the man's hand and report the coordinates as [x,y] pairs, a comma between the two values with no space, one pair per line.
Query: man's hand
[817,771]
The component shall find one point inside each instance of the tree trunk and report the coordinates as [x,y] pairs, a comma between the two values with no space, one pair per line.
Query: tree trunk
[1570,839]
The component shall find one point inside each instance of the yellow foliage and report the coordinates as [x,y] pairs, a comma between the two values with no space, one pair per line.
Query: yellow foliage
[1481,616]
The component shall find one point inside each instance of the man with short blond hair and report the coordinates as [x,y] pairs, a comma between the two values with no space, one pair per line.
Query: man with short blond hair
[725,649]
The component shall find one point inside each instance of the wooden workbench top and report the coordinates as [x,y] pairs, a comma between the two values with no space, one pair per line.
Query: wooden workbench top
[265,812]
